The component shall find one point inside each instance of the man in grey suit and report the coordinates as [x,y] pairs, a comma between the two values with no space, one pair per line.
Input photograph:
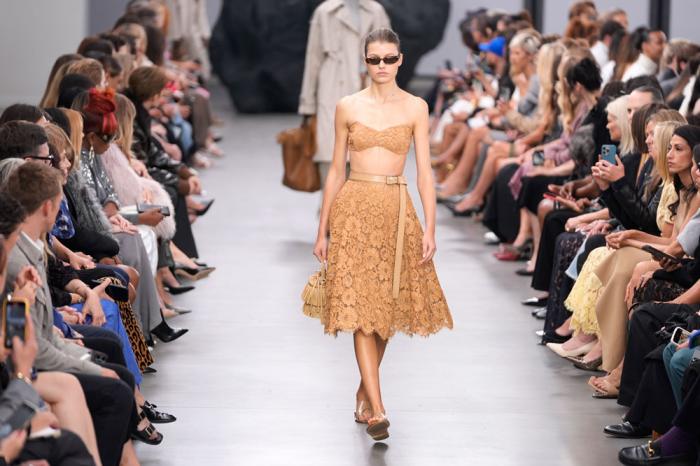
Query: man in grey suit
[37,187]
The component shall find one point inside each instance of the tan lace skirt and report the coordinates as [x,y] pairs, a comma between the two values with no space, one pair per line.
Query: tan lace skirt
[363,227]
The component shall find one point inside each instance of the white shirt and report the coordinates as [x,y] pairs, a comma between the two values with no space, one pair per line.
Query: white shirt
[607,71]
[643,66]
[600,52]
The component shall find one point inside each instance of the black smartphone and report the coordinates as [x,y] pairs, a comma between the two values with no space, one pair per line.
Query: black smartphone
[18,420]
[448,65]
[658,255]
[538,158]
[15,313]
[164,209]
[115,291]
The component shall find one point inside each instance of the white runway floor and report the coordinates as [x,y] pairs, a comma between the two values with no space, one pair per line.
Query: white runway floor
[255,382]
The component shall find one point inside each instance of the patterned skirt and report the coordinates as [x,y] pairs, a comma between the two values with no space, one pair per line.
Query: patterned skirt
[364,223]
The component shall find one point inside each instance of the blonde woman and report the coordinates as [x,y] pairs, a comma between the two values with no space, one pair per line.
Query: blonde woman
[380,274]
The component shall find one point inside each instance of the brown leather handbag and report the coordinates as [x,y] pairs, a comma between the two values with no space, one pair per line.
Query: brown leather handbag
[298,148]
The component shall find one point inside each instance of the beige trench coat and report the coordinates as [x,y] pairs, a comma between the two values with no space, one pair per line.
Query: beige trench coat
[334,63]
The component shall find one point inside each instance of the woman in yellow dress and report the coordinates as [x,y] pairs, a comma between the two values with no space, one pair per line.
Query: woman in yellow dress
[380,276]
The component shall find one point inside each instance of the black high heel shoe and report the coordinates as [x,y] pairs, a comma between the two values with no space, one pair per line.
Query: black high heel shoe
[190,273]
[178,289]
[166,333]
[204,209]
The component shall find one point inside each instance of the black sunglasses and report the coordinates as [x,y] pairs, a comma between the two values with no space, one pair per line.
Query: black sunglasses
[388,60]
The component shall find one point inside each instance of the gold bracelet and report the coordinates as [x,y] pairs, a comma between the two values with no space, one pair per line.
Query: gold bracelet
[23,377]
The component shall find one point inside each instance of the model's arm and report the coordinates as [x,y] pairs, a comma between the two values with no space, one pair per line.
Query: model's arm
[426,186]
[334,180]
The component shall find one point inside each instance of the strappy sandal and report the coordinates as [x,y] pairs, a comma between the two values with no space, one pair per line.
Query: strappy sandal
[146,435]
[608,392]
[360,410]
[378,427]
[155,416]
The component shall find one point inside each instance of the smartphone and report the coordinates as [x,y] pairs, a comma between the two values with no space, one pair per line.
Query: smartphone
[164,209]
[679,335]
[538,158]
[550,197]
[115,291]
[504,94]
[15,313]
[658,255]
[448,65]
[18,420]
[608,153]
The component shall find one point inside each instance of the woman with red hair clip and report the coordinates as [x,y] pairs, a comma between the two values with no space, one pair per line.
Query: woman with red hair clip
[100,129]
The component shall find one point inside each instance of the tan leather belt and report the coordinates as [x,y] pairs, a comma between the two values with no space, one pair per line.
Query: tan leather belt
[398,256]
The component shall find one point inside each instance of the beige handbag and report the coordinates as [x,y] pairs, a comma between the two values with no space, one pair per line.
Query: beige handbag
[314,294]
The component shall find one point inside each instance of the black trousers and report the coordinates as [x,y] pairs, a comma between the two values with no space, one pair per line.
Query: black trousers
[687,416]
[646,320]
[553,226]
[66,450]
[501,214]
[123,405]
[654,405]
[533,190]
[183,239]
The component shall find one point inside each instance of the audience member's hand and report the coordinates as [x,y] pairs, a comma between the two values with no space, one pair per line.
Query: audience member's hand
[71,315]
[429,248]
[123,225]
[635,283]
[139,167]
[109,373]
[602,184]
[597,227]
[669,265]
[151,217]
[24,352]
[12,445]
[44,419]
[93,306]
[28,274]
[195,185]
[610,172]
[80,261]
[574,223]
[321,249]
[619,239]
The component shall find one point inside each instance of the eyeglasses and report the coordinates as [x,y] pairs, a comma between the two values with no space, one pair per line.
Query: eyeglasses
[388,60]
[49,158]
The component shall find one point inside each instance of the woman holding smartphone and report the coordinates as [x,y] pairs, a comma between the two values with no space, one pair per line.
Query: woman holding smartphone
[380,275]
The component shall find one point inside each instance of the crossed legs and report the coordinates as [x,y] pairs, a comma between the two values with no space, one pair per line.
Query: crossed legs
[369,351]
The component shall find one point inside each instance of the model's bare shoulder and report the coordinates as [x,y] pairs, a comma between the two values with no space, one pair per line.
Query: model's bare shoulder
[416,107]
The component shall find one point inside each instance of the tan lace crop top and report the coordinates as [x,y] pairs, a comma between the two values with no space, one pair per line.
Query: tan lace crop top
[396,139]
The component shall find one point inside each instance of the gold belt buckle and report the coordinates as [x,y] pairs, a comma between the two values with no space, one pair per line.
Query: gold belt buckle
[392,180]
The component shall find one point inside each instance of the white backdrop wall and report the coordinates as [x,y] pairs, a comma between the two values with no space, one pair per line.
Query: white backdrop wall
[32,34]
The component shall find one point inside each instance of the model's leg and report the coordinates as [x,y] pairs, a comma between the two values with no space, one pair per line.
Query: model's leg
[367,355]
[381,348]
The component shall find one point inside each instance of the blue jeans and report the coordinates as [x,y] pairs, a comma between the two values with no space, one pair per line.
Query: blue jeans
[676,362]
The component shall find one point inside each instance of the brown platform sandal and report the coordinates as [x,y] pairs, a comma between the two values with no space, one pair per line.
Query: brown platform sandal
[378,427]
[362,408]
